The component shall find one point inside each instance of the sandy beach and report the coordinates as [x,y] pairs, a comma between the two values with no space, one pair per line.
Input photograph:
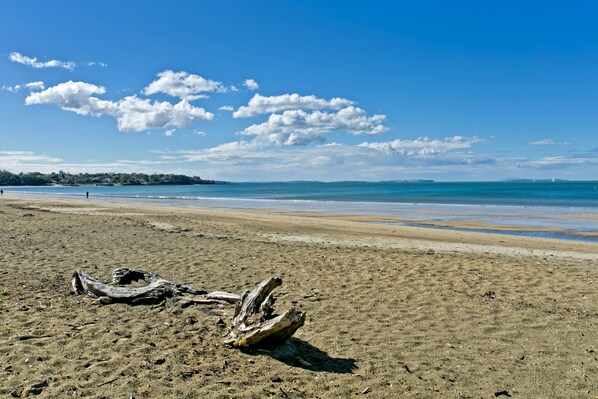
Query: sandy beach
[392,311]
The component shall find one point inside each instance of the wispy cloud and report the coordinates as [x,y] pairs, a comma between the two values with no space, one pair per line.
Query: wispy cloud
[33,62]
[560,162]
[9,159]
[549,142]
[95,63]
[29,161]
[226,108]
[335,161]
[244,160]
[31,86]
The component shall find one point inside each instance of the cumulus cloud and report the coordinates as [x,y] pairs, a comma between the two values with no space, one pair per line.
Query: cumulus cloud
[184,85]
[169,133]
[76,97]
[297,127]
[136,114]
[251,84]
[422,146]
[132,113]
[226,108]
[265,105]
[549,142]
[33,62]
[31,86]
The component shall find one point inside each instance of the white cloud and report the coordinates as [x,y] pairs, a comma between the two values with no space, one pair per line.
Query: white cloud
[8,158]
[31,86]
[183,85]
[76,97]
[297,127]
[169,133]
[33,62]
[264,105]
[247,160]
[12,89]
[445,152]
[136,114]
[34,86]
[560,162]
[96,63]
[549,142]
[226,108]
[29,161]
[200,133]
[422,146]
[132,113]
[251,84]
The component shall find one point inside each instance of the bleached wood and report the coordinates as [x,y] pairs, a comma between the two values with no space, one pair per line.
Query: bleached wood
[254,322]
[157,288]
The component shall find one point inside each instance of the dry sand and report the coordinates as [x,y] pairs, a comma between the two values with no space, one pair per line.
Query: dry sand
[393,312]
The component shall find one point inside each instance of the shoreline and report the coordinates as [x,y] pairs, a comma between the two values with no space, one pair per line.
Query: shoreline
[360,229]
[489,220]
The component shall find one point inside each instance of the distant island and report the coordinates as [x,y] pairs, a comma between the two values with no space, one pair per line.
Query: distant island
[409,181]
[97,179]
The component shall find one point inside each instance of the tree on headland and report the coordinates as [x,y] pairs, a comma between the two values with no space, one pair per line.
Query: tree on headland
[9,179]
[105,179]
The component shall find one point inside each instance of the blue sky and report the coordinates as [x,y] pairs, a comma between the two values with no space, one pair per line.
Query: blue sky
[294,90]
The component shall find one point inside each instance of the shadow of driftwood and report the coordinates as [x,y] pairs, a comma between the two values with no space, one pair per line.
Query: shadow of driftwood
[298,353]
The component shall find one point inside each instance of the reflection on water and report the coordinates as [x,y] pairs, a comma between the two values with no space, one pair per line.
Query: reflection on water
[560,235]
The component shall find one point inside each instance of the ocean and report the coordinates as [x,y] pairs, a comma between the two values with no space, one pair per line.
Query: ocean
[569,208]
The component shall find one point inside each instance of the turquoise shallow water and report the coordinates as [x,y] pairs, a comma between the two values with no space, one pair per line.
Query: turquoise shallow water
[569,194]
[570,207]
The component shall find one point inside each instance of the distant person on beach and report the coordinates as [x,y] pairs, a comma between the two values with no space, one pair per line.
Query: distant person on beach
[87,194]
[1,192]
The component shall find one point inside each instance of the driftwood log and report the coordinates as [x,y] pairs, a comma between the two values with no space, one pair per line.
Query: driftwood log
[254,323]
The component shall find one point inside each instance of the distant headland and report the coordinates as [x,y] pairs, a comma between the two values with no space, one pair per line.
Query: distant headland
[97,179]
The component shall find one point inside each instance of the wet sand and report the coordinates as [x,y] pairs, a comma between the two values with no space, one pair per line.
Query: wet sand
[392,311]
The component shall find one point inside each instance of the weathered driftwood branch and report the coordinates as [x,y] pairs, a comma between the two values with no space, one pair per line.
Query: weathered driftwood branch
[156,290]
[254,322]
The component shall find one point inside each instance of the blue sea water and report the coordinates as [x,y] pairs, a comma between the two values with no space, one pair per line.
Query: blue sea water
[570,207]
[568,194]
